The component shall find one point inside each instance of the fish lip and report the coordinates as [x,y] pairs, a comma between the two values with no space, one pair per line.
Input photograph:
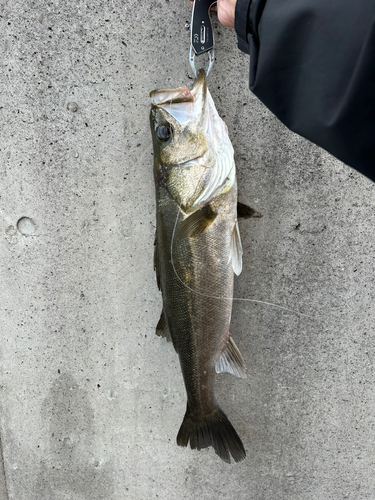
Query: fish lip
[200,82]
[181,94]
[171,96]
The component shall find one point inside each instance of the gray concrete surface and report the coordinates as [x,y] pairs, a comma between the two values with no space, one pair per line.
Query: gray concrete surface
[91,399]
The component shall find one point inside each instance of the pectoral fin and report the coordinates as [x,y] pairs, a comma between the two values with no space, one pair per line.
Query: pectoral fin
[231,360]
[245,212]
[236,250]
[196,224]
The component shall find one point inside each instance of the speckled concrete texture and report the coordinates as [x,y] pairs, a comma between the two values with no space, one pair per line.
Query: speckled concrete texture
[91,399]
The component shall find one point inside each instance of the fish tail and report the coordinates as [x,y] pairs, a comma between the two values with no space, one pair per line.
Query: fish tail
[213,429]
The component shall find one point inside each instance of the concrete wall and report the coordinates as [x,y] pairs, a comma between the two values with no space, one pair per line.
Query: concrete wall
[91,399]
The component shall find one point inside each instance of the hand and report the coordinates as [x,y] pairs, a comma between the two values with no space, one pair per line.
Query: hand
[225,12]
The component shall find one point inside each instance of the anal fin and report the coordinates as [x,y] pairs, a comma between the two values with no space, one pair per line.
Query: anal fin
[231,360]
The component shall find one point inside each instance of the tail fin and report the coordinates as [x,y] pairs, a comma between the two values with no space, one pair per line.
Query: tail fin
[214,430]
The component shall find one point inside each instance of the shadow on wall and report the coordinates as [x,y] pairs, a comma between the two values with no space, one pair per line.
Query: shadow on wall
[72,465]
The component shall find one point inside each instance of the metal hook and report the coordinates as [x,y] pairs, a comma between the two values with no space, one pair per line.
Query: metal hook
[211,60]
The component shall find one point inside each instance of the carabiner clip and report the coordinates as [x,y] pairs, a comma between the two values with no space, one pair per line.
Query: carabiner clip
[211,60]
[202,38]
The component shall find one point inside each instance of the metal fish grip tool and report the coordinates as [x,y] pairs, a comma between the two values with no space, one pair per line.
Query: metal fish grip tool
[202,37]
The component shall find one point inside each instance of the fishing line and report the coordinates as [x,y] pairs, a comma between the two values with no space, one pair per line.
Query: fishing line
[225,298]
[239,299]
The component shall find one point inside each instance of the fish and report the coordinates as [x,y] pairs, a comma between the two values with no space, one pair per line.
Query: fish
[197,252]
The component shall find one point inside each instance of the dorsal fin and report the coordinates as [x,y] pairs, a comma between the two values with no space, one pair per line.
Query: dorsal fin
[162,329]
[156,262]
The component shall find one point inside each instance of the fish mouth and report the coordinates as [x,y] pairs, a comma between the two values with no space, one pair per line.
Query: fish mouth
[181,94]
[175,96]
[182,100]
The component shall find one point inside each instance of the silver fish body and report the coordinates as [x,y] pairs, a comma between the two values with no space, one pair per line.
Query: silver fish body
[197,251]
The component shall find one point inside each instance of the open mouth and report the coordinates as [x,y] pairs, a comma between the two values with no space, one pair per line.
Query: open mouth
[177,96]
[180,95]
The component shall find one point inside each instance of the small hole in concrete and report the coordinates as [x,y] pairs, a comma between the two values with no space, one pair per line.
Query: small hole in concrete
[72,106]
[26,226]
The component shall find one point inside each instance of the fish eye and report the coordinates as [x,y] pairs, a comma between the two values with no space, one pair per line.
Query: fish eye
[164,131]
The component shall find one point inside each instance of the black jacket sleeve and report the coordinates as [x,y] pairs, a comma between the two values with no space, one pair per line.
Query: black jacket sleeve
[312,63]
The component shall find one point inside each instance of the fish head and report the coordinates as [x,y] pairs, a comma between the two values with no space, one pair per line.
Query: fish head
[176,123]
[184,149]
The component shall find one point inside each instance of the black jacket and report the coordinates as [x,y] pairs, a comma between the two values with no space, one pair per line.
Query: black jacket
[313,64]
